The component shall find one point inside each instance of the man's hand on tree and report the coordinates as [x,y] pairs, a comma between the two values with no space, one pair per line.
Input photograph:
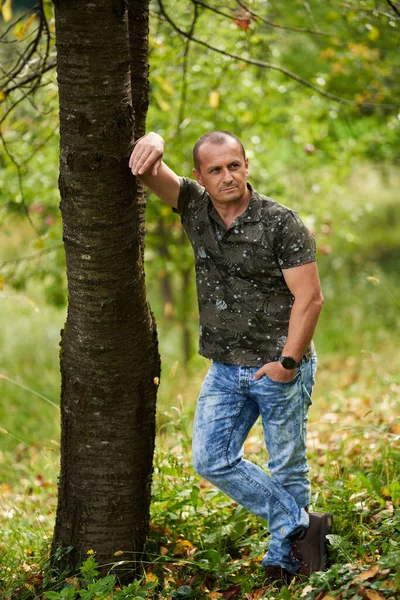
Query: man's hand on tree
[276,372]
[147,154]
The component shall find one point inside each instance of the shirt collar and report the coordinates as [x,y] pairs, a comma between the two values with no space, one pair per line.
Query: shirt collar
[252,214]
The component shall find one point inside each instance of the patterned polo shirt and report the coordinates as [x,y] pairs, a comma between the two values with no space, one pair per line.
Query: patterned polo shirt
[244,302]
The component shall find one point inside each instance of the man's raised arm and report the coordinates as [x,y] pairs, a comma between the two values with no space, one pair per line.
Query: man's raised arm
[146,163]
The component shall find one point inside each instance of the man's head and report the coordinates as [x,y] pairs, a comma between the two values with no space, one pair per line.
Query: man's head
[221,168]
[217,137]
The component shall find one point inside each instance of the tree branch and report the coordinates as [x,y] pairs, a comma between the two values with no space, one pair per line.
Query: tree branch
[255,16]
[393,7]
[35,256]
[273,67]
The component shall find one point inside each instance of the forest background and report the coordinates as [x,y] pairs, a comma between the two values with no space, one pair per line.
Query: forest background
[331,153]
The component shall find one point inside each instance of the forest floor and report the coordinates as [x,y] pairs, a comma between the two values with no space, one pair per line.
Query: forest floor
[203,545]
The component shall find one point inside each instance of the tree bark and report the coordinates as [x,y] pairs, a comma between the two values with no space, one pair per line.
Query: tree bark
[109,357]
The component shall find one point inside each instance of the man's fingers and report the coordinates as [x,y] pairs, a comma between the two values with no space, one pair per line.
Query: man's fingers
[259,374]
[144,159]
[156,166]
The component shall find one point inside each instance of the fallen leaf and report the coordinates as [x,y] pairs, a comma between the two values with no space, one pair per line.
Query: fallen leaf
[256,594]
[365,575]
[373,595]
[306,590]
[182,547]
[151,577]
[73,581]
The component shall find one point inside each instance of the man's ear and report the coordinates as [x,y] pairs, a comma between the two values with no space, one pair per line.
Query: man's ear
[246,162]
[197,175]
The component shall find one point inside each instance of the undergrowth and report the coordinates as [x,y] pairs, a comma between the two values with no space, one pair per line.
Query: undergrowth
[201,544]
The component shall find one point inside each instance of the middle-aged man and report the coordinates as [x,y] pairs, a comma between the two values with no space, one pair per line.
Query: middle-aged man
[259,301]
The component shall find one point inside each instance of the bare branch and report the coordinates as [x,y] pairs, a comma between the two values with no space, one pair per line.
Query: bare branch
[184,68]
[35,75]
[373,11]
[35,256]
[267,65]
[393,7]
[21,190]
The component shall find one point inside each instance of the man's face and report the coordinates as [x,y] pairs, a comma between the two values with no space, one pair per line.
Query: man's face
[223,172]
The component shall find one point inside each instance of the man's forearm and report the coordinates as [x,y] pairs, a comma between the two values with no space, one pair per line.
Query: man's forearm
[302,324]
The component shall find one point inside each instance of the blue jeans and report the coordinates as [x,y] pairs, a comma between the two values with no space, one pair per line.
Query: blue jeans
[229,403]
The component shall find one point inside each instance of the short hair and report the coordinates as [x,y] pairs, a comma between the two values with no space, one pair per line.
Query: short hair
[218,137]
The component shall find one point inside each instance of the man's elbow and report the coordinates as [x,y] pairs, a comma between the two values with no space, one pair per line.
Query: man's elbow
[318,301]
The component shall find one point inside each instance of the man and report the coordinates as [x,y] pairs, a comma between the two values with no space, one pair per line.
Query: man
[259,300]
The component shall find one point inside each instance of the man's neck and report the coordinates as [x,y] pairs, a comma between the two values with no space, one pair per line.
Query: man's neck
[229,211]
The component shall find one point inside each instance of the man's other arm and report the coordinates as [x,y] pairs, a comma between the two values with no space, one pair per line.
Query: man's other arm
[304,284]
[146,163]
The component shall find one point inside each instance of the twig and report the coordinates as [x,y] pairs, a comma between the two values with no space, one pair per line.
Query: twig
[184,69]
[35,256]
[393,7]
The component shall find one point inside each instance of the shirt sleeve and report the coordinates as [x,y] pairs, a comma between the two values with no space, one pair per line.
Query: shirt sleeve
[294,244]
[189,194]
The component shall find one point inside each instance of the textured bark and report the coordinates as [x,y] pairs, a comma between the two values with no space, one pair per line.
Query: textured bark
[138,27]
[109,355]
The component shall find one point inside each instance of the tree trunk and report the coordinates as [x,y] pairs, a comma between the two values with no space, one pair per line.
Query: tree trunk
[109,356]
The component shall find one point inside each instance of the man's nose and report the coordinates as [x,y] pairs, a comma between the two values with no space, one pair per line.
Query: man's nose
[227,175]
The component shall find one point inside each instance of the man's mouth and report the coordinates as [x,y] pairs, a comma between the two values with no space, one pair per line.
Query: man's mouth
[229,187]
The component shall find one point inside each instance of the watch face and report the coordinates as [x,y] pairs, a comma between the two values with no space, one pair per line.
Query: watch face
[288,362]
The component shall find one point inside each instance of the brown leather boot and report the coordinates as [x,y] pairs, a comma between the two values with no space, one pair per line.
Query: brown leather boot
[311,550]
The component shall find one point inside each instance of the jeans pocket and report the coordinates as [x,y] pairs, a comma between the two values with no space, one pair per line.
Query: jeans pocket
[290,382]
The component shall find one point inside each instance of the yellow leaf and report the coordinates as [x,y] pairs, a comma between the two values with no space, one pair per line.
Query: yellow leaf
[165,106]
[156,381]
[214,595]
[165,85]
[1,284]
[21,28]
[36,309]
[7,11]
[182,546]
[118,553]
[373,34]
[214,99]
[151,577]
[373,280]
[2,95]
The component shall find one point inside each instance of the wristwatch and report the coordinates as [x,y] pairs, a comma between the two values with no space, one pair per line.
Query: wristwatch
[288,362]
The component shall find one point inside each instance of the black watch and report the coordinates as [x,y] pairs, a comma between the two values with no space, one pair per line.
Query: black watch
[288,362]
